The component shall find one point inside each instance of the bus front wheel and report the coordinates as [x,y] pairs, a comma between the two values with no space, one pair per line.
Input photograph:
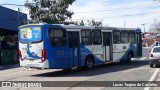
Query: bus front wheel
[89,63]
[151,65]
[129,58]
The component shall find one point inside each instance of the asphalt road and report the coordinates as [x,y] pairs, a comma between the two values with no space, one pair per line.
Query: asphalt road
[137,70]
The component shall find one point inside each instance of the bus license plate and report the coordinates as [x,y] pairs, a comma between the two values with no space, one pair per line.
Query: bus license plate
[31,60]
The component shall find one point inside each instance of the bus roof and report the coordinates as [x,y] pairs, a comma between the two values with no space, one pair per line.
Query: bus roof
[83,27]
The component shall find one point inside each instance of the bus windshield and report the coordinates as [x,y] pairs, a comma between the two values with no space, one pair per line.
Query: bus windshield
[30,34]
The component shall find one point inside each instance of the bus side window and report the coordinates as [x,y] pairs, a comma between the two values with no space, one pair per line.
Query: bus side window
[86,37]
[106,39]
[124,36]
[97,37]
[57,37]
[70,40]
[116,37]
[131,35]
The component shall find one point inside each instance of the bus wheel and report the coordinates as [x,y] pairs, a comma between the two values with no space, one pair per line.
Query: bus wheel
[151,65]
[129,58]
[89,63]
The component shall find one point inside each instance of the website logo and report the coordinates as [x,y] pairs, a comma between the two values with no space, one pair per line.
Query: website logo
[6,84]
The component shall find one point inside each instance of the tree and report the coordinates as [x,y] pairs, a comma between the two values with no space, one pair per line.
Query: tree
[155,27]
[94,23]
[82,23]
[49,11]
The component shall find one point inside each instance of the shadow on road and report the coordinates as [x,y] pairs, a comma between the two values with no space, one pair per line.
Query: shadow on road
[97,70]
[9,67]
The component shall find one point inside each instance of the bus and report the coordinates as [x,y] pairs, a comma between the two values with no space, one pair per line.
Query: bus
[68,46]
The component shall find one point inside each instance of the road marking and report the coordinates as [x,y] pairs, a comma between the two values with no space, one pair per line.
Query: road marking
[152,78]
[142,58]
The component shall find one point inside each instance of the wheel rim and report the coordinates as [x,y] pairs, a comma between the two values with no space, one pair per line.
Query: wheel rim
[89,63]
[130,56]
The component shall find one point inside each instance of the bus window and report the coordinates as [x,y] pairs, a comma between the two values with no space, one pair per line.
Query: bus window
[97,39]
[30,34]
[131,37]
[106,39]
[124,36]
[116,37]
[57,37]
[86,37]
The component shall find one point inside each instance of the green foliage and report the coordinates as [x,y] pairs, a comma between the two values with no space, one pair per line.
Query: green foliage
[49,11]
[82,23]
[94,23]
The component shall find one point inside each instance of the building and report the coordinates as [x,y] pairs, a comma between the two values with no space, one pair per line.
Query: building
[10,20]
[150,39]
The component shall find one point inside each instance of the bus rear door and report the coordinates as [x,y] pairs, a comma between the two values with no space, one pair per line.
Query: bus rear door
[74,47]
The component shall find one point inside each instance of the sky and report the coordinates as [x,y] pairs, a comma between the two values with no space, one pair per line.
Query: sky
[116,13]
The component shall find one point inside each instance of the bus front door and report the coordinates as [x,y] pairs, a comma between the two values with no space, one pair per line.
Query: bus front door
[139,44]
[74,48]
[107,46]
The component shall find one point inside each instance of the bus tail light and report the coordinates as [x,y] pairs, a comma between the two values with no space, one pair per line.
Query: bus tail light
[20,55]
[43,55]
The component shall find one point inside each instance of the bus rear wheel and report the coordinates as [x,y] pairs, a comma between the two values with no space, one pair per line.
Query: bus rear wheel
[89,63]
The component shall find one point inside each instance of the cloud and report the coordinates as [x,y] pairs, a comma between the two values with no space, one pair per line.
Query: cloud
[107,10]
[141,6]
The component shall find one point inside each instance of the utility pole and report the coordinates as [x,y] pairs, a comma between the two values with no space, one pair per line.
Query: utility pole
[144,26]
[124,24]
[144,33]
[19,18]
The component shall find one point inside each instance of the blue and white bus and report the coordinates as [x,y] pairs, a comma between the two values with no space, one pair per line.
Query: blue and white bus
[69,46]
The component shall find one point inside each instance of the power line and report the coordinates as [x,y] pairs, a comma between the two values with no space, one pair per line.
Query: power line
[111,17]
[119,8]
[12,4]
[133,14]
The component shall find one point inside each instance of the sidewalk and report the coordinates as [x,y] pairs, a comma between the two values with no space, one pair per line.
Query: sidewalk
[9,66]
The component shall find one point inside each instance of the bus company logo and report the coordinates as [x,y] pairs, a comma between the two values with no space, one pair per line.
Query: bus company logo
[6,84]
